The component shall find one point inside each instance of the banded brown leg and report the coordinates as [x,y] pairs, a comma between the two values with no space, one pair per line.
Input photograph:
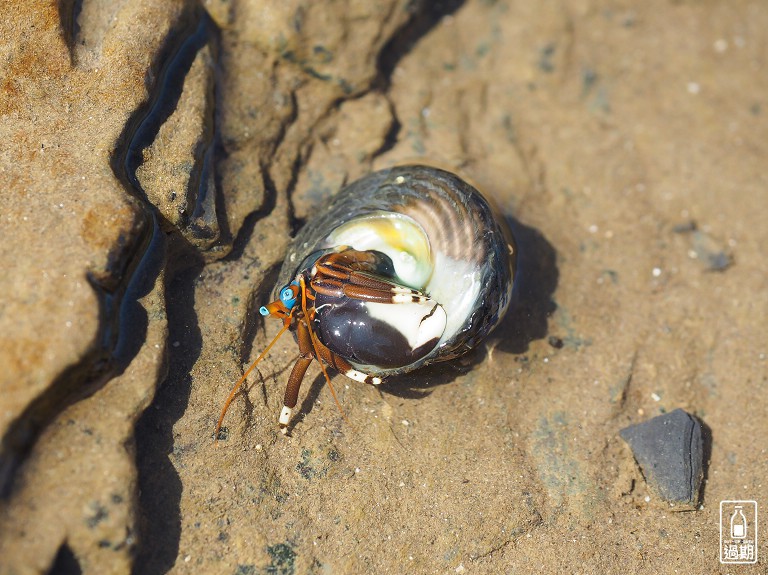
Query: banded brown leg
[297,374]
[309,348]
[339,264]
[372,289]
[343,366]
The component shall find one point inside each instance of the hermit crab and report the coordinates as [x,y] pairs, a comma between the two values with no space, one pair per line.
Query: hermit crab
[405,267]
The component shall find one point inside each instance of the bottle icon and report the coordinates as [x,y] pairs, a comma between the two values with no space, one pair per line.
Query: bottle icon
[738,524]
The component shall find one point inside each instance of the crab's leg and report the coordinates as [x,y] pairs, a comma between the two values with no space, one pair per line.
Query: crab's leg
[343,366]
[244,377]
[297,374]
[309,348]
[377,291]
[350,274]
[348,260]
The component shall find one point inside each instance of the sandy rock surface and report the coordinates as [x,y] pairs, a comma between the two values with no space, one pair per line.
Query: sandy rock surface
[159,156]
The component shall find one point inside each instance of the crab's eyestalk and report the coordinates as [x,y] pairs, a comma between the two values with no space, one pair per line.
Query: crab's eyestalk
[276,308]
[282,307]
[289,295]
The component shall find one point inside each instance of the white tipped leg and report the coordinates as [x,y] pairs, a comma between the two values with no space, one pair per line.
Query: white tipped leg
[285,417]
[409,298]
[362,377]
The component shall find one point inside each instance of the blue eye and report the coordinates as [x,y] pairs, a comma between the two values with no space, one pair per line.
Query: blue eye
[287,296]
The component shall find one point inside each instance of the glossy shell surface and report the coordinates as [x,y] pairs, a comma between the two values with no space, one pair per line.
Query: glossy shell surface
[442,237]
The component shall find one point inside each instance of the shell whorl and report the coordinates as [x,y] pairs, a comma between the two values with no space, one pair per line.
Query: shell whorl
[446,214]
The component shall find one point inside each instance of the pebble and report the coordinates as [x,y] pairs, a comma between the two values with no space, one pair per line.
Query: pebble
[669,450]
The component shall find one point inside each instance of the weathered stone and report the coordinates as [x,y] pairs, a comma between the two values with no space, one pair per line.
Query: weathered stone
[72,236]
[668,449]
[285,67]
[173,172]
[78,486]
[69,227]
[343,152]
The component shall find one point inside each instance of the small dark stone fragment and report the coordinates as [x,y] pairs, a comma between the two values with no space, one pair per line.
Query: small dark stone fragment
[555,342]
[685,227]
[719,261]
[669,450]
[100,513]
[713,254]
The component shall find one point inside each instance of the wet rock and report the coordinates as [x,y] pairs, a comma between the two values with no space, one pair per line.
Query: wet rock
[112,127]
[285,70]
[668,449]
[350,139]
[79,483]
[176,171]
[81,356]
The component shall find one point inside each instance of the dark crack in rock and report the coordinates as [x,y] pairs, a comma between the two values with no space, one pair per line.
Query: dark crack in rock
[177,140]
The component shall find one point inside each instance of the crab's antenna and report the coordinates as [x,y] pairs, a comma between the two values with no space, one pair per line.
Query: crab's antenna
[313,337]
[242,379]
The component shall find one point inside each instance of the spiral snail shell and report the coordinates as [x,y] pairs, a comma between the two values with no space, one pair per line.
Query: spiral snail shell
[442,239]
